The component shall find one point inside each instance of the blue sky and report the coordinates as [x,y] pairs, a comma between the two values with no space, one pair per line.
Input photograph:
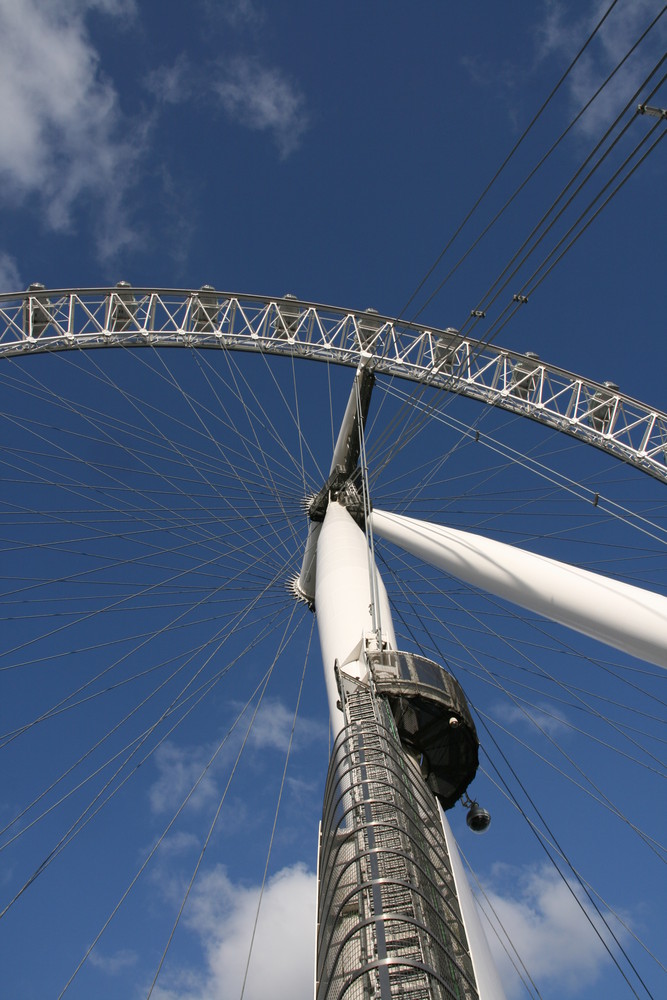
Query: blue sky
[330,152]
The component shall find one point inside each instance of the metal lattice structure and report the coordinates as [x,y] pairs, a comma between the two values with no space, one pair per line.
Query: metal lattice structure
[389,921]
[597,413]
[393,910]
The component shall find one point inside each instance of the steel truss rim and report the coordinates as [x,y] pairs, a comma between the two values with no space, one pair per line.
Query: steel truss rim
[120,344]
[42,320]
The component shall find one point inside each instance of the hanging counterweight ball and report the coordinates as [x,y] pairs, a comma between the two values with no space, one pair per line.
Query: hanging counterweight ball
[478,819]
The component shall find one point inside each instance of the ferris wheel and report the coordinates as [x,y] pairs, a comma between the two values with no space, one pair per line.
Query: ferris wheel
[164,452]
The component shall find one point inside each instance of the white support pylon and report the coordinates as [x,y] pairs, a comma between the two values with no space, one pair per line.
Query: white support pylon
[305,584]
[625,617]
[344,600]
[347,627]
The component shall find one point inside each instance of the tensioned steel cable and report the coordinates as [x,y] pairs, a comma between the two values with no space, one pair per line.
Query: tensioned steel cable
[284,641]
[560,720]
[73,486]
[149,558]
[212,535]
[532,283]
[565,857]
[528,288]
[180,704]
[242,399]
[294,419]
[657,848]
[160,434]
[652,529]
[505,941]
[275,817]
[581,703]
[269,482]
[580,881]
[503,788]
[217,641]
[543,160]
[509,156]
[519,299]
[237,374]
[100,799]
[250,561]
[281,469]
[277,494]
[237,618]
[169,826]
[115,604]
[158,438]
[139,358]
[489,297]
[538,280]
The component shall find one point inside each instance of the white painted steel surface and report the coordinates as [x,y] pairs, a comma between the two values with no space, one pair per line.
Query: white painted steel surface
[489,986]
[305,582]
[595,412]
[305,585]
[625,617]
[343,597]
[343,600]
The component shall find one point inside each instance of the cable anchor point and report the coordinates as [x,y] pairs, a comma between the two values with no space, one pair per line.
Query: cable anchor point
[646,109]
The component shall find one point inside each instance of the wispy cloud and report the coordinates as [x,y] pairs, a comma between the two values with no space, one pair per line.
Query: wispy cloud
[178,769]
[560,34]
[64,139]
[545,718]
[539,914]
[173,84]
[113,964]
[10,279]
[263,99]
[179,843]
[273,726]
[241,13]
[222,914]
[535,909]
[250,93]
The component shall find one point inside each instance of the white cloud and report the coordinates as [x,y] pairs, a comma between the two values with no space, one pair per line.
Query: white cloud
[222,913]
[10,279]
[179,843]
[113,964]
[546,718]
[179,767]
[64,138]
[252,95]
[273,725]
[536,910]
[563,35]
[178,770]
[241,13]
[172,84]
[263,99]
[545,923]
[302,790]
